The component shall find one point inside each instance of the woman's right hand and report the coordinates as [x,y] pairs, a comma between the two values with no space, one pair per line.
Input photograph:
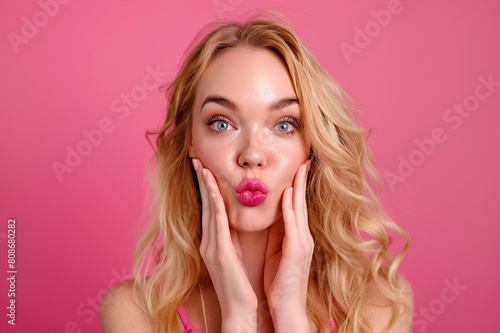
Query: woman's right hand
[222,255]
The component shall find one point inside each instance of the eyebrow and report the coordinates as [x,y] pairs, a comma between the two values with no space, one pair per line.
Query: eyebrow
[228,104]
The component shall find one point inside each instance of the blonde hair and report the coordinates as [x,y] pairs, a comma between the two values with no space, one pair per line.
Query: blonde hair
[345,217]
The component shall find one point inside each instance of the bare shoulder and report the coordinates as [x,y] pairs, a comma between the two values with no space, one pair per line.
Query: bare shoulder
[120,312]
[379,313]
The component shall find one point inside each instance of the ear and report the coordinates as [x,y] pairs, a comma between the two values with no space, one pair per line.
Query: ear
[191,151]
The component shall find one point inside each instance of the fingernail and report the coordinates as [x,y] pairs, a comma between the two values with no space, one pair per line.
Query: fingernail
[195,164]
[308,165]
[304,170]
[204,173]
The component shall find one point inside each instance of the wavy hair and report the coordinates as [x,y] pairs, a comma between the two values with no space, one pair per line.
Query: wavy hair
[346,220]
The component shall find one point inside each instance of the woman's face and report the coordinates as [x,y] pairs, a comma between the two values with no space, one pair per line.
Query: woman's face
[247,132]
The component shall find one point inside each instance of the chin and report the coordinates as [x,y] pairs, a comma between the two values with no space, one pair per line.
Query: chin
[252,219]
[249,226]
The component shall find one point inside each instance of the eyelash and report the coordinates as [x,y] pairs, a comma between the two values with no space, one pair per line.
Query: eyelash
[297,124]
[291,120]
[210,121]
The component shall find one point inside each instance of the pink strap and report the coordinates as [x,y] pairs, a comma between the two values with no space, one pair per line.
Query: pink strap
[185,319]
[331,325]
[184,315]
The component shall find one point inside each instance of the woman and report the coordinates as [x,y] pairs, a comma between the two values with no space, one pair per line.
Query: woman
[266,209]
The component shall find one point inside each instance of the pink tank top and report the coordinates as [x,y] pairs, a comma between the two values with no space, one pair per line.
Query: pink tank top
[189,328]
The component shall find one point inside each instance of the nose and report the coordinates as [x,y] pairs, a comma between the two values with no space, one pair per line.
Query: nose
[252,153]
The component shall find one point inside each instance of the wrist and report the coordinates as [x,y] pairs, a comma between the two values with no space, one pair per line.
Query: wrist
[245,321]
[290,321]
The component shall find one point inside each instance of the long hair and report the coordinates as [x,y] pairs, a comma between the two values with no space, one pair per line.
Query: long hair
[346,220]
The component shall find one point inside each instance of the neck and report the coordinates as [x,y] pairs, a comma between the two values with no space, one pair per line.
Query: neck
[253,249]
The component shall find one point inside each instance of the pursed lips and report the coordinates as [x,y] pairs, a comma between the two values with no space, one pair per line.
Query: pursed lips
[252,192]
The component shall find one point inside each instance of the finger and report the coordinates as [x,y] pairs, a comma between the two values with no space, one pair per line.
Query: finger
[308,168]
[287,205]
[211,182]
[299,194]
[298,185]
[211,228]
[289,218]
[300,204]
[205,203]
[198,167]
[221,225]
[304,192]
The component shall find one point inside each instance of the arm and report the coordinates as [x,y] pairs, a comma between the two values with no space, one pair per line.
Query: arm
[379,316]
[221,252]
[120,313]
[288,260]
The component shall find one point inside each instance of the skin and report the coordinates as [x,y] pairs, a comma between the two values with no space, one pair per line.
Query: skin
[252,144]
[256,259]
[262,253]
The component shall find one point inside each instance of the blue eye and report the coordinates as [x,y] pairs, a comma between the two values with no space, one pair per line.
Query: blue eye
[288,125]
[218,123]
[221,125]
[283,127]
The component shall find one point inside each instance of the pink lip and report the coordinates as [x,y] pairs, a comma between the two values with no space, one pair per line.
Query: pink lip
[252,192]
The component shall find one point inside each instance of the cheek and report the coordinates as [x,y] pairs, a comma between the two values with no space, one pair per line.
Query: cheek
[289,159]
[203,147]
[216,158]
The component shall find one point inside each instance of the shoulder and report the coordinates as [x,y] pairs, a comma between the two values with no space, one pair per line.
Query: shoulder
[379,313]
[120,312]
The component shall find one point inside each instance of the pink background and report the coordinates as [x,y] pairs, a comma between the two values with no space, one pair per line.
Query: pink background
[76,233]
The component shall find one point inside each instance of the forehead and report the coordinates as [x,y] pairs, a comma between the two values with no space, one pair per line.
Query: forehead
[246,74]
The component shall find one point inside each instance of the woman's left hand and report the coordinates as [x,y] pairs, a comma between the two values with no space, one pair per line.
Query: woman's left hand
[288,259]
